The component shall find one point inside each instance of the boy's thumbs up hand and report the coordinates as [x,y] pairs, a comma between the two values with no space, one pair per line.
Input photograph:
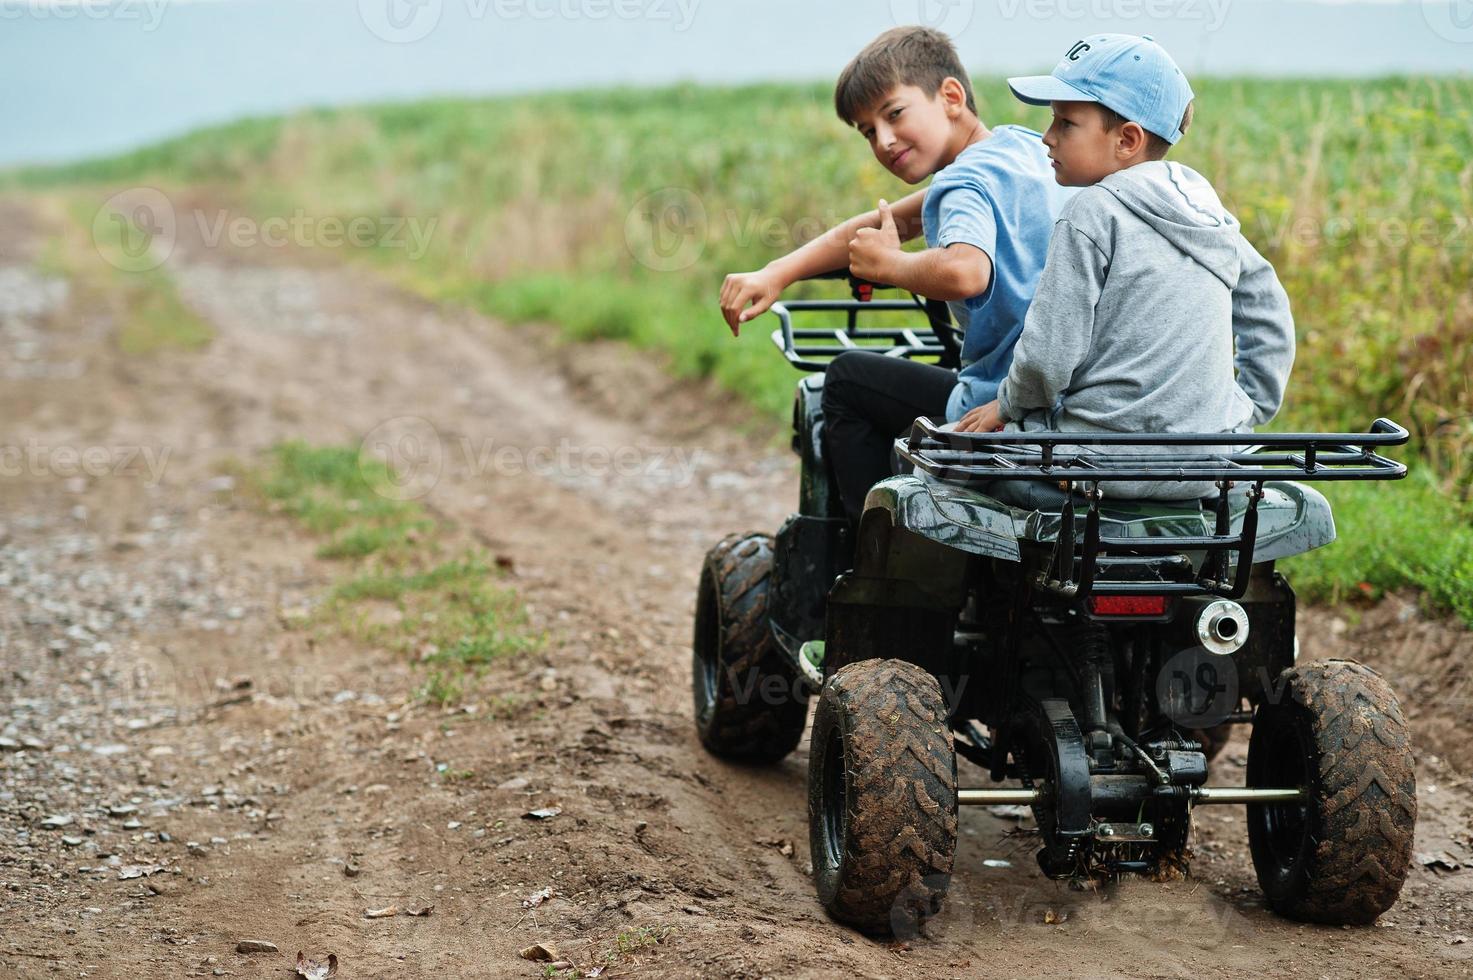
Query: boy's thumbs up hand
[873,249]
[887,221]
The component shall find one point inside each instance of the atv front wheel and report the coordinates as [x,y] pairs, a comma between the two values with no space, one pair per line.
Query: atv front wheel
[882,802]
[749,703]
[1340,857]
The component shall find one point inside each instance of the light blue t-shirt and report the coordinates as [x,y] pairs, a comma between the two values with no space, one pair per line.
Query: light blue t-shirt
[999,195]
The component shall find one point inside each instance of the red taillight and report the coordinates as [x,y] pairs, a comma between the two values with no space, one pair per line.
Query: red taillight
[1128,605]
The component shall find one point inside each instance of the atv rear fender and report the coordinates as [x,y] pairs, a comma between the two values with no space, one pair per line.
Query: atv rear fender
[1292,518]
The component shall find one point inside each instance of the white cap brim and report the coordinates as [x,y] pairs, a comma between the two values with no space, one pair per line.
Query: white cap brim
[1043,89]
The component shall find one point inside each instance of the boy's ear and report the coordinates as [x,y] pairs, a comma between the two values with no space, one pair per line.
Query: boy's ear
[1130,140]
[952,93]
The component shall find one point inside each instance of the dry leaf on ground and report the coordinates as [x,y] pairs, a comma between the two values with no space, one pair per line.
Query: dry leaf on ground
[313,970]
[537,898]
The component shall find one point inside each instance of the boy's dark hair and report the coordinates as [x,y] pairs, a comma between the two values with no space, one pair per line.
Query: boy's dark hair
[1156,147]
[916,56]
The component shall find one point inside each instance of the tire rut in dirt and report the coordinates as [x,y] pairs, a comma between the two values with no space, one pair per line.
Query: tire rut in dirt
[749,702]
[882,802]
[1342,858]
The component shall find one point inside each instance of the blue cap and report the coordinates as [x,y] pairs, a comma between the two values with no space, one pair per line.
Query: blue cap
[1133,76]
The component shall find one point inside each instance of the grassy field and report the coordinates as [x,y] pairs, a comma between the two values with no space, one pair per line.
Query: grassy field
[616,213]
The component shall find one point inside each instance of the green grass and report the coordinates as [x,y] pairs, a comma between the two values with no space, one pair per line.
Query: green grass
[154,318]
[634,940]
[345,496]
[104,256]
[615,214]
[453,616]
[453,619]
[158,320]
[1390,536]
[477,625]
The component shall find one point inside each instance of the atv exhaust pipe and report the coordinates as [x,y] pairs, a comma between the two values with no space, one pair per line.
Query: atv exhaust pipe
[1221,627]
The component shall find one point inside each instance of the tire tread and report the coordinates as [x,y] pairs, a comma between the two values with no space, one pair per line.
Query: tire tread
[903,801]
[749,729]
[1365,807]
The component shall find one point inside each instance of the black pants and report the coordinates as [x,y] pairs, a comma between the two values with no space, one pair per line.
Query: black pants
[869,400]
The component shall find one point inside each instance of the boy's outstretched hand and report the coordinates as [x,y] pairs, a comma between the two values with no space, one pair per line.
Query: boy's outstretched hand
[872,250]
[986,418]
[761,289]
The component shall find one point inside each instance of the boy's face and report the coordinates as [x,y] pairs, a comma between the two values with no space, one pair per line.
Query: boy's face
[911,132]
[1083,150]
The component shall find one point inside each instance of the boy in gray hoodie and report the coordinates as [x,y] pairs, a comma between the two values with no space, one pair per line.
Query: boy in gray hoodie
[1148,279]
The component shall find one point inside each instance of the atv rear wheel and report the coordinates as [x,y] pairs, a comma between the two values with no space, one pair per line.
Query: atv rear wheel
[1341,856]
[749,702]
[882,801]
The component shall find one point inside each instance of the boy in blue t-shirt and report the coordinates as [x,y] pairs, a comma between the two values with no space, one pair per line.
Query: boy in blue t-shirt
[986,217]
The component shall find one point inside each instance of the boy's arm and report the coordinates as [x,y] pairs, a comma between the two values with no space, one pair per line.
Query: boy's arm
[956,272]
[825,253]
[1263,327]
[959,268]
[1059,330]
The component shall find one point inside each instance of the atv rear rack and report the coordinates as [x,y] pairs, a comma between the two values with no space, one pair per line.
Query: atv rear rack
[811,348]
[977,458]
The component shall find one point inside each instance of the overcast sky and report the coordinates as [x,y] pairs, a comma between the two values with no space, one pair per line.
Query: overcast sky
[90,77]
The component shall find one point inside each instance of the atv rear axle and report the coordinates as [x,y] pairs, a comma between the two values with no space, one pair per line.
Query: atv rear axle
[1201,796]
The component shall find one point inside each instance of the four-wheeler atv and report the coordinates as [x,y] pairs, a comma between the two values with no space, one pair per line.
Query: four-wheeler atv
[997,603]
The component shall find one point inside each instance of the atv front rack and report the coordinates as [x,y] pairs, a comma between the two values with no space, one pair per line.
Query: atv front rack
[976,459]
[812,348]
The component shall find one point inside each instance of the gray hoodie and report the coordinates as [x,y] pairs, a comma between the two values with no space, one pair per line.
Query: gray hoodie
[1148,286]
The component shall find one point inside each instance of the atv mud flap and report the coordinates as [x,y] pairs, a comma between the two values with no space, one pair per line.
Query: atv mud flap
[810,552]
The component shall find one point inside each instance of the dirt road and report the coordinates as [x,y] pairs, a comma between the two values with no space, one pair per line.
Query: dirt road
[184,767]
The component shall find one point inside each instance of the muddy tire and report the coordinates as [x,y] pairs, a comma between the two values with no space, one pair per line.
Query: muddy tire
[749,703]
[882,803]
[1340,857]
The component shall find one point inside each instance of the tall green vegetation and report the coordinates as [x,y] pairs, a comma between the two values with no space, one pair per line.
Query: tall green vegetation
[616,214]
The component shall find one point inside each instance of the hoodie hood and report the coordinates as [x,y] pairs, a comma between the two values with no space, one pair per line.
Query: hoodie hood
[1183,208]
